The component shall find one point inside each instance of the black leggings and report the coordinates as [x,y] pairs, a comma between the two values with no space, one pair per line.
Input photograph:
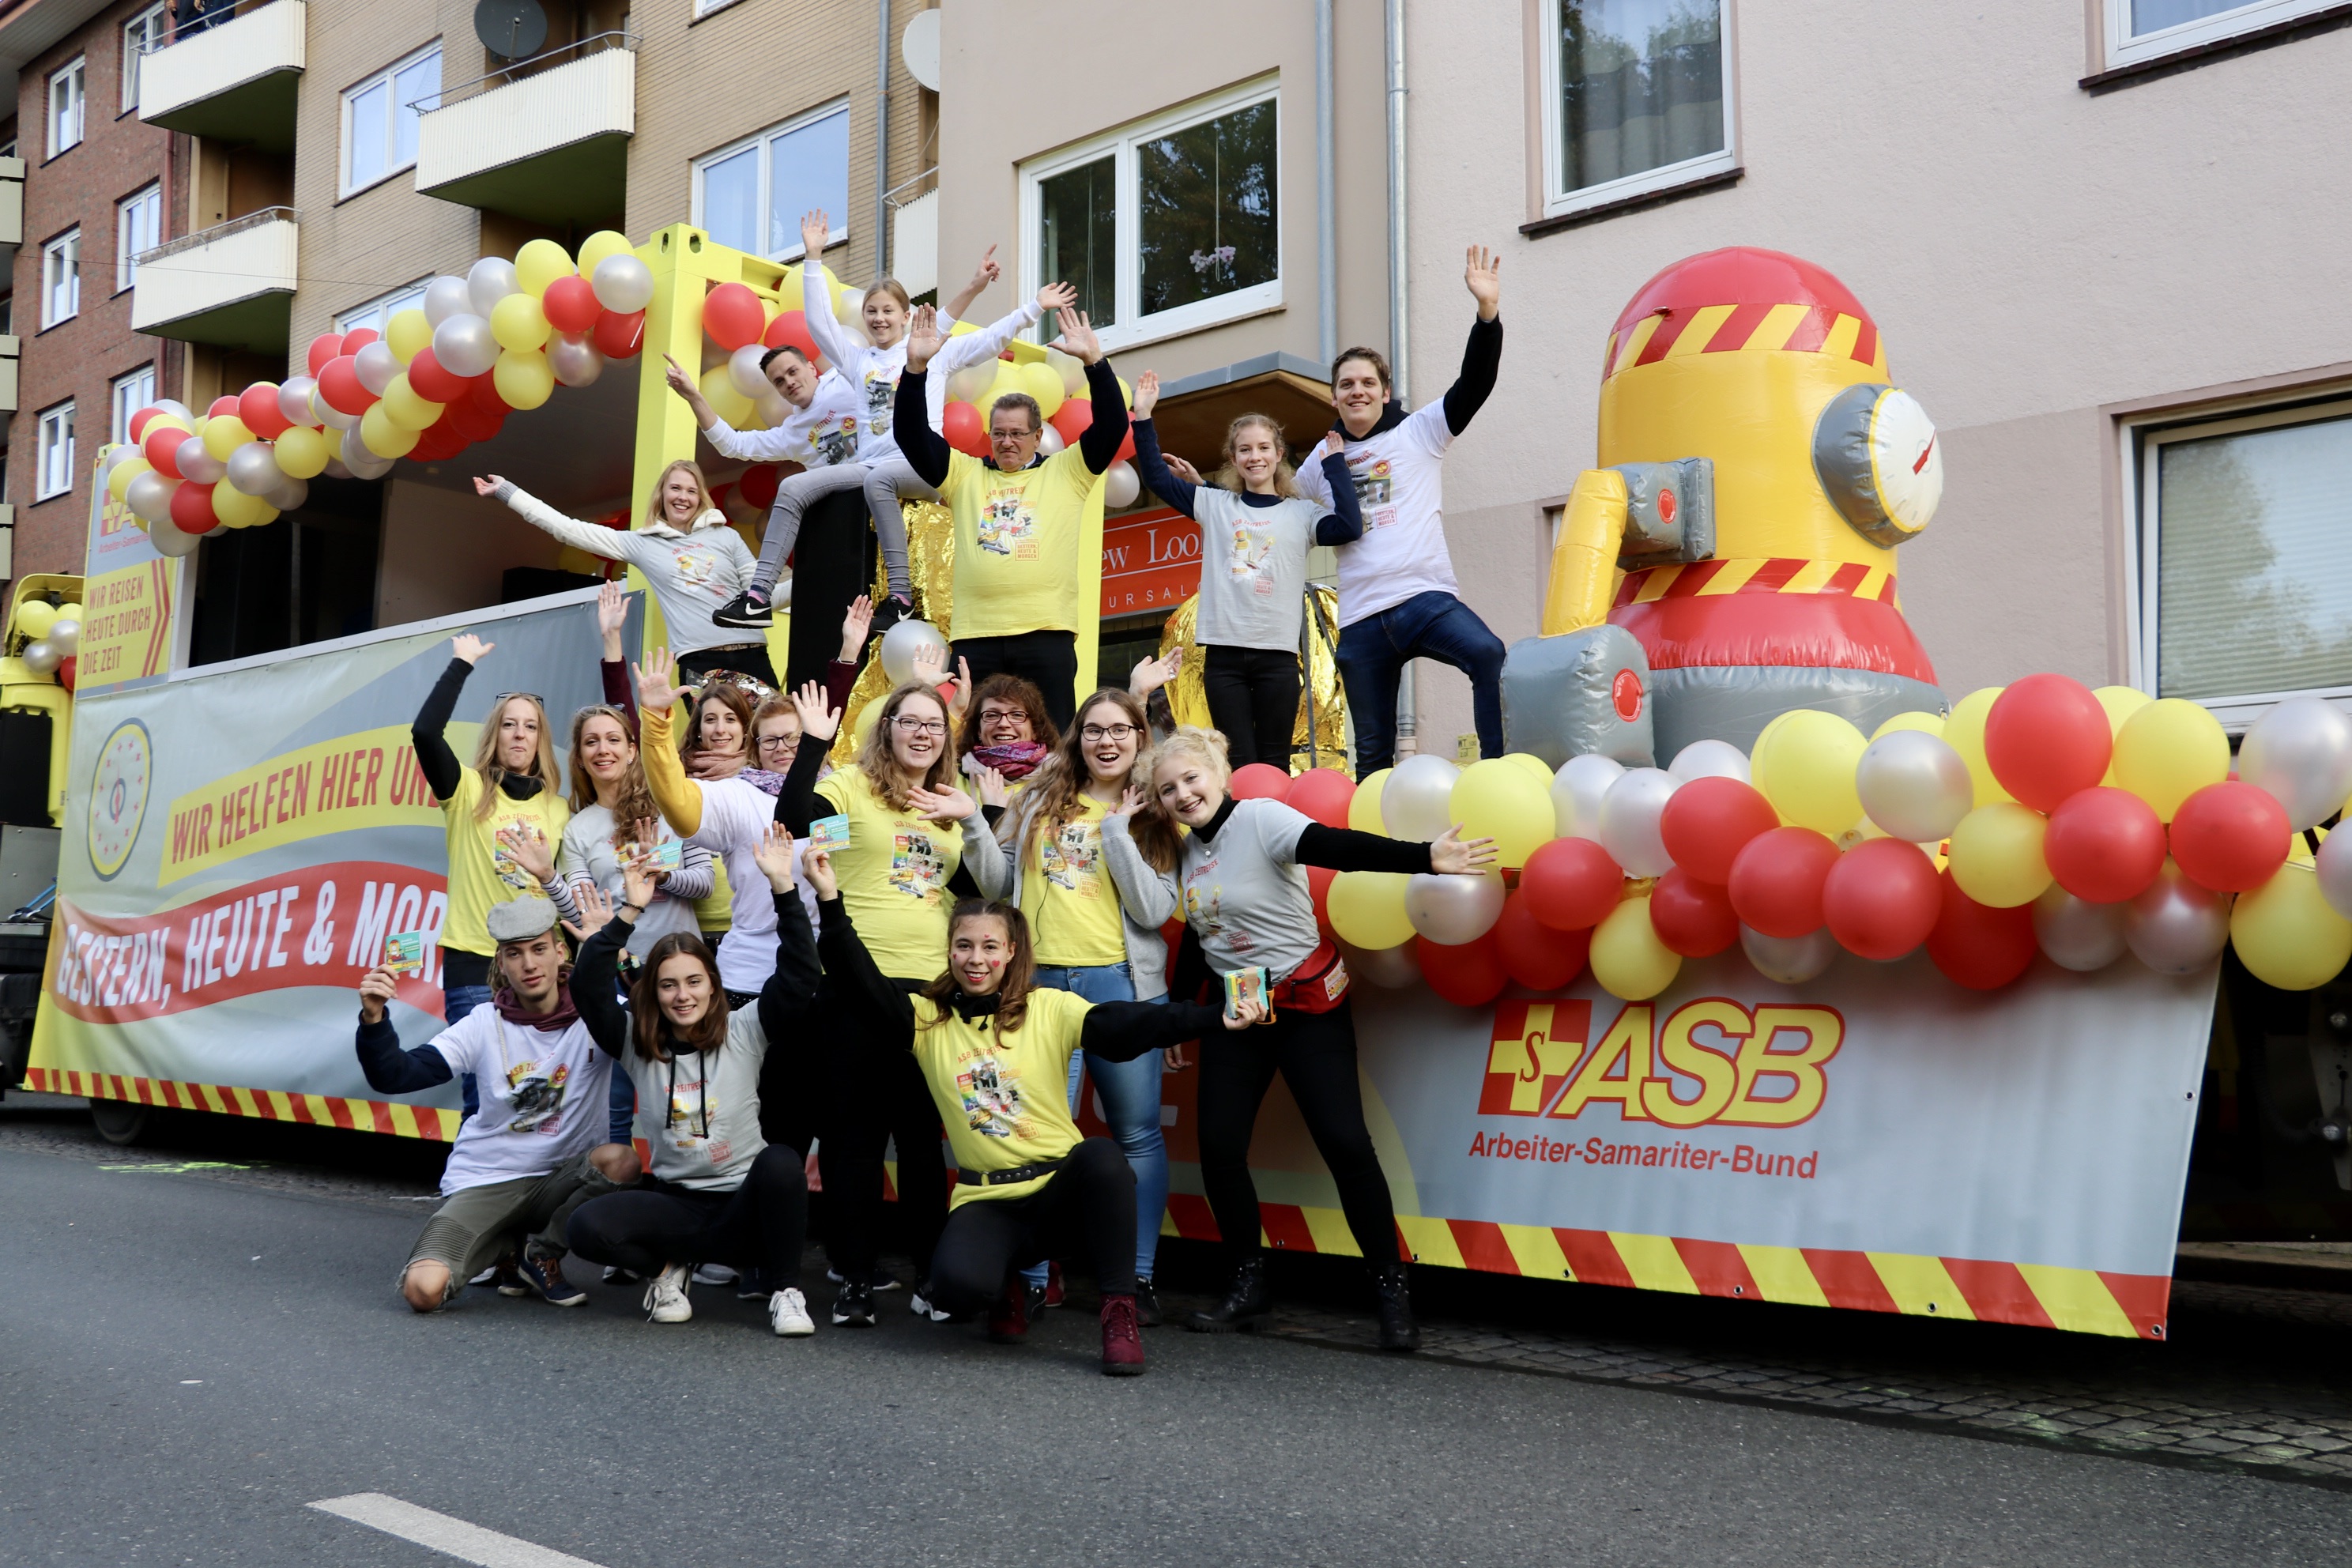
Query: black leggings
[1086,1209]
[1049,659]
[1253,696]
[1317,1055]
[757,1227]
[876,1096]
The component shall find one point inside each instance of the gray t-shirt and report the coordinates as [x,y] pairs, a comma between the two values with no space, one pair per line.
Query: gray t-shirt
[699,1112]
[1253,569]
[692,575]
[587,855]
[1244,894]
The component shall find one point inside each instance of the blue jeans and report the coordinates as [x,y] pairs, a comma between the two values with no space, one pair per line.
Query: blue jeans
[456,1001]
[1372,654]
[1130,1092]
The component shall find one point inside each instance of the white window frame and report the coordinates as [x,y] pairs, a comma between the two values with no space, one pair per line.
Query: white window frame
[378,311]
[1559,203]
[141,35]
[53,463]
[67,127]
[128,245]
[2125,49]
[126,394]
[2144,440]
[1133,327]
[763,140]
[344,184]
[61,266]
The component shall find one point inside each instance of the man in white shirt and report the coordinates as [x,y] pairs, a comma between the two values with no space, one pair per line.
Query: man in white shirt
[1398,597]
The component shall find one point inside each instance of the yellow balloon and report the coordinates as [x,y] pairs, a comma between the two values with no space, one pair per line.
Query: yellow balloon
[600,245]
[301,452]
[1964,732]
[1500,800]
[523,378]
[718,390]
[2120,702]
[404,408]
[1997,854]
[225,435]
[234,508]
[35,618]
[1804,765]
[1367,908]
[118,483]
[406,333]
[2286,934]
[2168,751]
[518,322]
[1007,379]
[71,610]
[540,263]
[1535,765]
[1039,382]
[1364,806]
[379,435]
[1628,958]
[868,716]
[167,421]
[1926,724]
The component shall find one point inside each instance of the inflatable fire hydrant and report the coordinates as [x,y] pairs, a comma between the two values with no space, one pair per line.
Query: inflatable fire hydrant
[1759,471]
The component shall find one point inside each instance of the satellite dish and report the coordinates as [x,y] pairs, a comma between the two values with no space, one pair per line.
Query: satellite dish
[918,49]
[510,29]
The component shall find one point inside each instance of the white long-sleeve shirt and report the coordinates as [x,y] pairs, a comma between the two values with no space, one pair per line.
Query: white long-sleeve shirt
[874,373]
[826,432]
[692,575]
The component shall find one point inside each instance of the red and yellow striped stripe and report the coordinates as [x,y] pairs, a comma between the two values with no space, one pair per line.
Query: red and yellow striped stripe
[1684,331]
[1708,579]
[268,1104]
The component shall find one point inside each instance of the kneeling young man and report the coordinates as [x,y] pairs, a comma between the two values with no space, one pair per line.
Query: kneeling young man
[534,1151]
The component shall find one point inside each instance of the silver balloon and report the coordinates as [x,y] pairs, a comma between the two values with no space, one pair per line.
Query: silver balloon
[118,455]
[1049,441]
[288,494]
[1575,792]
[446,297]
[772,408]
[489,280]
[1417,803]
[1629,821]
[2334,862]
[1914,786]
[1791,960]
[376,365]
[327,415]
[336,470]
[743,371]
[173,405]
[2301,751]
[1121,485]
[150,496]
[1390,968]
[195,463]
[362,463]
[65,635]
[2176,927]
[294,398]
[253,469]
[1454,909]
[167,537]
[576,361]
[1709,760]
[41,658]
[623,284]
[2076,933]
[465,346]
[902,642]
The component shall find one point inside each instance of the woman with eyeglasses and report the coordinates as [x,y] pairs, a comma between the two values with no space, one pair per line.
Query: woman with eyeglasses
[1006,730]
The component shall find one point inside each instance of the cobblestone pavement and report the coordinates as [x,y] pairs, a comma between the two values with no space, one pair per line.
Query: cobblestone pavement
[2251,1378]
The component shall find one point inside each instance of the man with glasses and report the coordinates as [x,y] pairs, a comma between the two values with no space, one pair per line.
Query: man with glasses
[1022,521]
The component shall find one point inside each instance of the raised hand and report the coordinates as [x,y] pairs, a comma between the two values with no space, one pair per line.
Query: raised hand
[1454,854]
[942,805]
[987,272]
[923,337]
[1154,673]
[679,381]
[815,230]
[1147,393]
[931,662]
[960,698]
[820,720]
[855,628]
[469,648]
[526,846]
[1333,445]
[486,484]
[654,692]
[1482,273]
[1055,297]
[774,856]
[612,615]
[994,790]
[375,989]
[1131,801]
[637,881]
[649,831]
[817,866]
[1077,335]
[595,912]
[1182,470]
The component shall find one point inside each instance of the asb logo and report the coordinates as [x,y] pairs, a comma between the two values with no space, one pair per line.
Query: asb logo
[1711,1061]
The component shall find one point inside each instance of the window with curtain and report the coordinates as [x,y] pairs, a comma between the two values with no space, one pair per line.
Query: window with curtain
[1637,98]
[1204,199]
[66,107]
[751,195]
[61,279]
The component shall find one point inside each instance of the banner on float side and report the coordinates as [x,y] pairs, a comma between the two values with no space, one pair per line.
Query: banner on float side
[129,588]
[1877,1137]
[241,839]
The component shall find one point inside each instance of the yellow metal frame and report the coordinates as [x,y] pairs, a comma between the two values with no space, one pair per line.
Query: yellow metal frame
[21,689]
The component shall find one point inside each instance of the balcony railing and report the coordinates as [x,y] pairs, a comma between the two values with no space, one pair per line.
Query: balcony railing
[230,285]
[234,81]
[545,139]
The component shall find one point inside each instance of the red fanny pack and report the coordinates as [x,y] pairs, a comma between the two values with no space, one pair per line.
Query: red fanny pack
[1317,985]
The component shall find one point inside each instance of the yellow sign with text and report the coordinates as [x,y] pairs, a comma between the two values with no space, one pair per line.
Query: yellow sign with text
[126,629]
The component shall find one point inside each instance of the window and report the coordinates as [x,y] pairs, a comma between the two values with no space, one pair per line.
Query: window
[61,279]
[1636,97]
[751,196]
[131,393]
[56,472]
[137,226]
[149,30]
[2245,592]
[2148,29]
[1166,225]
[379,122]
[379,311]
[65,108]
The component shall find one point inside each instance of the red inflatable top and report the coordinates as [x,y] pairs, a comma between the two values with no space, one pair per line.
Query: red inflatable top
[1742,275]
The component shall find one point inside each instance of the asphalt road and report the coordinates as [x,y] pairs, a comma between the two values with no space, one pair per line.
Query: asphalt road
[190,1363]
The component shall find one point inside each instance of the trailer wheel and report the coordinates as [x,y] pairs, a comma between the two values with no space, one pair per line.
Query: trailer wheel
[121,1122]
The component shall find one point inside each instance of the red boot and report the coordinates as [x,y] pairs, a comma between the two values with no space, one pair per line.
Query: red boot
[1122,1338]
[1008,1319]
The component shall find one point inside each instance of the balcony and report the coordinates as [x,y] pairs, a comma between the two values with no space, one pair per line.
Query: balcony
[231,285]
[551,146]
[234,81]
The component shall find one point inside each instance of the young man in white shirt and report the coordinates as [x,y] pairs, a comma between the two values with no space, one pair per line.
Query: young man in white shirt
[1398,597]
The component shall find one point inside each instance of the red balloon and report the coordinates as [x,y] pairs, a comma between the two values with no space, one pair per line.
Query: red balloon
[1981,948]
[1708,822]
[1776,881]
[1073,417]
[1323,794]
[434,382]
[620,337]
[354,341]
[2104,845]
[438,441]
[1533,954]
[1469,975]
[1693,918]
[759,485]
[192,509]
[225,404]
[466,417]
[482,391]
[140,421]
[162,449]
[2230,837]
[258,406]
[569,305]
[324,347]
[67,670]
[2046,737]
[1259,781]
[733,316]
[1572,884]
[340,385]
[961,428]
[1319,888]
[1881,899]
[790,330]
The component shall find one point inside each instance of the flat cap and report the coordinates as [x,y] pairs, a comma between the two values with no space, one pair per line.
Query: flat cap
[519,920]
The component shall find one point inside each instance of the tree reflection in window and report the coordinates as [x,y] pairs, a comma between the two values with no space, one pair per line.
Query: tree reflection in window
[1640,87]
[1207,195]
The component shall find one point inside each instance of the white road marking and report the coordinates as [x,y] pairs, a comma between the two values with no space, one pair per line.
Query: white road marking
[452,1537]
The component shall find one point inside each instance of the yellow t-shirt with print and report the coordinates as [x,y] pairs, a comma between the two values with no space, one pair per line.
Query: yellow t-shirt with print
[1019,541]
[894,877]
[1004,1097]
[1066,893]
[482,874]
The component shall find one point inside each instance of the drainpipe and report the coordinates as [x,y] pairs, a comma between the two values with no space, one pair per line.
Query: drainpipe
[1327,212]
[1408,724]
[882,149]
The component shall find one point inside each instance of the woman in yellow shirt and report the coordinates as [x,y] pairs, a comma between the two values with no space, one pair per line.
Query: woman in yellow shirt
[994,1052]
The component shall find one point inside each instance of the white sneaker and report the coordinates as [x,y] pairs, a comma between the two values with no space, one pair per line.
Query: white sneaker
[714,1274]
[788,1314]
[666,1300]
[920,1305]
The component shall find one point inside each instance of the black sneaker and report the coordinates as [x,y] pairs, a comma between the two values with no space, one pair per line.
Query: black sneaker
[743,610]
[1147,1304]
[752,1286]
[888,613]
[853,1307]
